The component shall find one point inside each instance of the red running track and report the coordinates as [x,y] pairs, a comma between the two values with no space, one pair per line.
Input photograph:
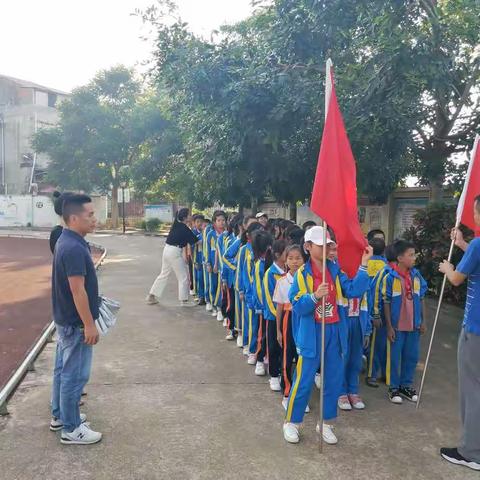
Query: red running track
[25,304]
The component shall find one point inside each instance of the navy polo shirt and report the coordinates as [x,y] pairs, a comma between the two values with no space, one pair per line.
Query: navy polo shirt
[72,257]
[470,266]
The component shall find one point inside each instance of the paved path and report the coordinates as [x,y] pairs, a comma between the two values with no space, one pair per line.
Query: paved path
[176,401]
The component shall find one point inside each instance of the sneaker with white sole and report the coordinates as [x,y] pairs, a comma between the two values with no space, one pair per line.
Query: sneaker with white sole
[230,336]
[409,393]
[290,433]
[452,455]
[192,292]
[327,434]
[318,381]
[260,369]
[187,303]
[394,396]
[214,312]
[220,316]
[225,322]
[344,403]
[81,436]
[307,409]
[151,299]
[239,340]
[56,424]
[252,359]
[208,307]
[275,384]
[246,351]
[356,401]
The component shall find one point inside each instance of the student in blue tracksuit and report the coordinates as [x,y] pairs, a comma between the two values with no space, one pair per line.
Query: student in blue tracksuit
[246,275]
[378,345]
[227,275]
[206,286]
[272,275]
[262,242]
[306,293]
[233,260]
[197,259]
[213,267]
[403,294]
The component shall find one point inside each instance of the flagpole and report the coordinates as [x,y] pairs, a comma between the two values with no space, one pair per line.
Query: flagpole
[328,93]
[437,315]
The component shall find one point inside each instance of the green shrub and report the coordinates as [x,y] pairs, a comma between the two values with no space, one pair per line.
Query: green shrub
[153,224]
[142,224]
[431,235]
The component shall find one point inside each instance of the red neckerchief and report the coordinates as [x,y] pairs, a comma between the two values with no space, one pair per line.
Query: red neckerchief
[219,232]
[407,277]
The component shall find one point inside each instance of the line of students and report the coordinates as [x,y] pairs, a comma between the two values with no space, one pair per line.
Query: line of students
[263,279]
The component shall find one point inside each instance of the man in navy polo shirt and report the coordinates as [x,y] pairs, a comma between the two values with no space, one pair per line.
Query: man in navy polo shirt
[468,452]
[75,308]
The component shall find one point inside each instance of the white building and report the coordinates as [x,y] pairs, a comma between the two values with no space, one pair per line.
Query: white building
[24,108]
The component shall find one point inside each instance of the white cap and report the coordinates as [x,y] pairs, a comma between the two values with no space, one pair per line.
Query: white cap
[260,215]
[315,235]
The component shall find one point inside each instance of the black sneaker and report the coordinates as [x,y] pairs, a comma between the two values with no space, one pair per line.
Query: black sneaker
[394,396]
[453,456]
[409,393]
[372,382]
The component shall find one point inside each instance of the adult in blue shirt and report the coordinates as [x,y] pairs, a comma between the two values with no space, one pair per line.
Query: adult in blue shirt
[468,452]
[75,308]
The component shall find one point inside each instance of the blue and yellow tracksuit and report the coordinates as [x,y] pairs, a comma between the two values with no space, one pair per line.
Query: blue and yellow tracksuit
[359,326]
[402,357]
[247,270]
[214,279]
[273,273]
[198,283]
[206,278]
[378,343]
[258,343]
[307,334]
[231,271]
[228,293]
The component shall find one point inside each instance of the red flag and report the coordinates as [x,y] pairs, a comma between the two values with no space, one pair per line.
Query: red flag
[334,195]
[471,189]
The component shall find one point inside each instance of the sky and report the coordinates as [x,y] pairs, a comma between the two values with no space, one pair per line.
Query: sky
[62,43]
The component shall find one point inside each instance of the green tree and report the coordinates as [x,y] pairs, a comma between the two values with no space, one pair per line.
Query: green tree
[104,126]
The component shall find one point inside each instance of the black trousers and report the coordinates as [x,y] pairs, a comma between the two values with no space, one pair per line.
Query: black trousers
[274,349]
[261,339]
[289,353]
[228,306]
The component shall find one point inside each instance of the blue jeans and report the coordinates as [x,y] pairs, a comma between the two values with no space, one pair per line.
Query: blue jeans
[73,363]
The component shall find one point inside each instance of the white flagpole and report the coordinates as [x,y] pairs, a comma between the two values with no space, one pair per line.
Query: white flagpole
[328,93]
[461,204]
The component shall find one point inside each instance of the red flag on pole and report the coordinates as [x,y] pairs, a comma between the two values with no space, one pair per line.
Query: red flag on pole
[334,195]
[471,189]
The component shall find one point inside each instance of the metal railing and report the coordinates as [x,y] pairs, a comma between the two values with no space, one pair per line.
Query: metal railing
[28,363]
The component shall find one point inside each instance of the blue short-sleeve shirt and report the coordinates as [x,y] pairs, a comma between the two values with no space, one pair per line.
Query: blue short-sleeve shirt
[72,258]
[470,266]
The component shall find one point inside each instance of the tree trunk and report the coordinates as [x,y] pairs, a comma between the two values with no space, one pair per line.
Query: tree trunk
[292,211]
[254,205]
[114,217]
[436,191]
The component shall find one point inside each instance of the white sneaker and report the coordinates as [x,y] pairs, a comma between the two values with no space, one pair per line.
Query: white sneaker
[230,336]
[275,384]
[187,303]
[192,292]
[239,340]
[328,435]
[214,312]
[225,322]
[151,299]
[307,409]
[290,433]
[356,402]
[56,424]
[80,436]
[246,351]
[318,381]
[220,318]
[252,359]
[208,307]
[344,403]
[285,403]
[260,369]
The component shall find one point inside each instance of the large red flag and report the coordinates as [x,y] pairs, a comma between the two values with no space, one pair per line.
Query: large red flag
[471,189]
[334,195]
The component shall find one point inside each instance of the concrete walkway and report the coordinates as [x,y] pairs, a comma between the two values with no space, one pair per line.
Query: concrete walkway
[176,401]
